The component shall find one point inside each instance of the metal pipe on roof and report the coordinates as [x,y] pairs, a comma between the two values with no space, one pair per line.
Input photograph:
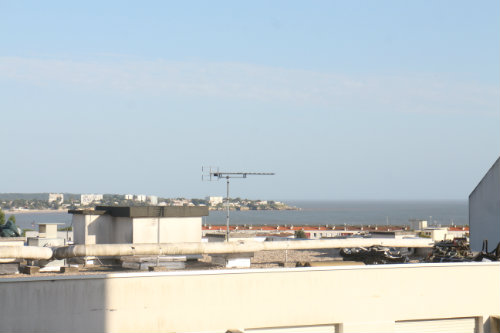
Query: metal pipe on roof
[26,252]
[103,250]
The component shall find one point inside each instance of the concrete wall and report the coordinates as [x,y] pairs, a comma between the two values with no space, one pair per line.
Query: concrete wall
[182,229]
[179,229]
[122,232]
[105,229]
[371,297]
[79,227]
[92,229]
[99,229]
[484,210]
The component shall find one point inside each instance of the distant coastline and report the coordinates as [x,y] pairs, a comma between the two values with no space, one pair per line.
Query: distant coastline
[20,203]
[310,213]
[31,211]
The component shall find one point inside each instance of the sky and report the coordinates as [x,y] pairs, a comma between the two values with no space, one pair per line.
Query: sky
[342,100]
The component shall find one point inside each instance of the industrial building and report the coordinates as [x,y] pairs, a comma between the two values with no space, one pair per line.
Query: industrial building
[484,210]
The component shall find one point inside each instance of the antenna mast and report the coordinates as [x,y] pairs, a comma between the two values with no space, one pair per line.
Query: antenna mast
[214,174]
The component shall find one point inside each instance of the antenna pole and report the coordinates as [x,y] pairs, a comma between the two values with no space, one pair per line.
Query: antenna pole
[227,210]
[216,175]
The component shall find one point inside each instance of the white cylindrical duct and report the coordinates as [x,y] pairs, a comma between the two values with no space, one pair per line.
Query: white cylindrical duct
[102,250]
[26,252]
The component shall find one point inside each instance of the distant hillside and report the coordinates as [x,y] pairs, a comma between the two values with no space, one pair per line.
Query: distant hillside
[24,196]
[34,196]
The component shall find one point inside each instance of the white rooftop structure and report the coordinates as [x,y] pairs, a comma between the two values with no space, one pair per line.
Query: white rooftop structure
[125,225]
[484,210]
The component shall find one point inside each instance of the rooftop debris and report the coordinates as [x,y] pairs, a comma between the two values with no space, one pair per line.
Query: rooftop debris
[484,255]
[373,255]
[458,250]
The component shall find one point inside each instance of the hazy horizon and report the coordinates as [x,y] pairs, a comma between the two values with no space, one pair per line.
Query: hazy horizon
[260,198]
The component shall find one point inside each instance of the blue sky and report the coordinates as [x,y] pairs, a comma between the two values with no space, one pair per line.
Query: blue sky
[342,100]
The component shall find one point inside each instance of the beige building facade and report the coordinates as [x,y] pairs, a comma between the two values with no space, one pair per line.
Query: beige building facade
[379,298]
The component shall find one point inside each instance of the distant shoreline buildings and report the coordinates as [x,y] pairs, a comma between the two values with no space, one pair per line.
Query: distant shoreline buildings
[152,199]
[87,199]
[58,201]
[56,197]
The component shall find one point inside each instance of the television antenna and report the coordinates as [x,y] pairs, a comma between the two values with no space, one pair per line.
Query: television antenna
[212,174]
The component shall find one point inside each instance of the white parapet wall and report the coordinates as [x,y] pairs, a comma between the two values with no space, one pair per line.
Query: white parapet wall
[346,298]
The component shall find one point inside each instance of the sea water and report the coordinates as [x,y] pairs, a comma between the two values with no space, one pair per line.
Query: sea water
[314,212]
[352,213]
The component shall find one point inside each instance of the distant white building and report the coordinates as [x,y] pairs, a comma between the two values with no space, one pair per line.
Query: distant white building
[140,198]
[445,233]
[416,224]
[214,201]
[153,199]
[180,202]
[86,199]
[56,197]
[129,197]
[437,233]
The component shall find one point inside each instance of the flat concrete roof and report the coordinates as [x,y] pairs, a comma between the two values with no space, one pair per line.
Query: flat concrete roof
[86,212]
[394,232]
[145,211]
